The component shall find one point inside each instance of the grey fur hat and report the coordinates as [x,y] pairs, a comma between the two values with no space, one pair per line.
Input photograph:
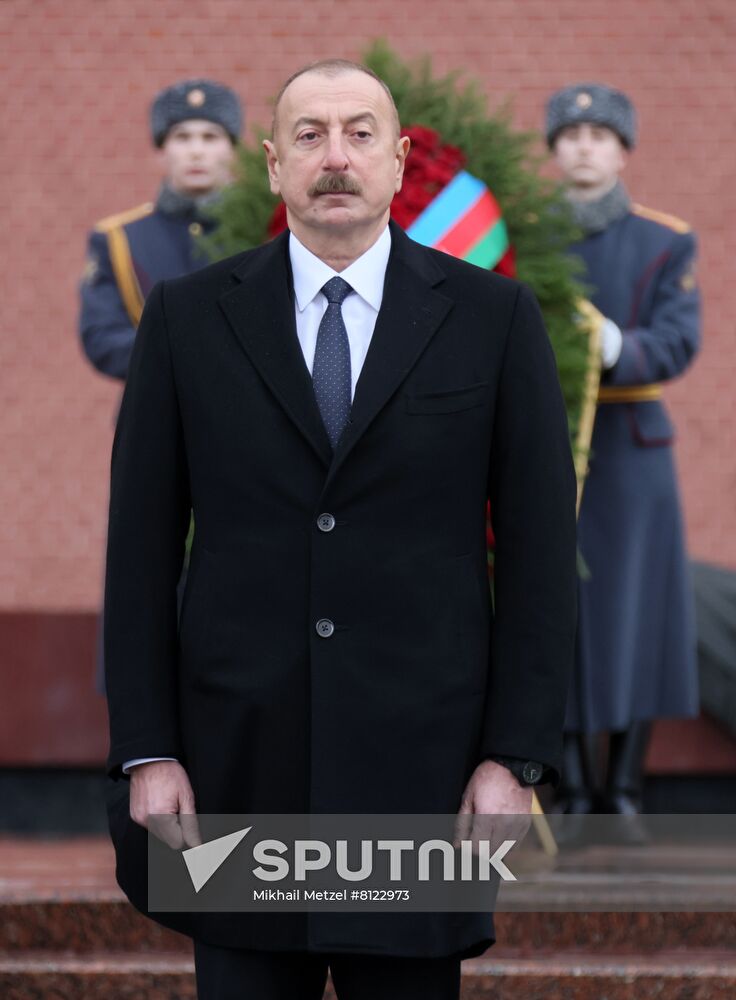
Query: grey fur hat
[195,99]
[594,103]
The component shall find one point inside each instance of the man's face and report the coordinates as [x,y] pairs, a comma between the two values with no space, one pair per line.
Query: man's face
[336,158]
[197,157]
[589,156]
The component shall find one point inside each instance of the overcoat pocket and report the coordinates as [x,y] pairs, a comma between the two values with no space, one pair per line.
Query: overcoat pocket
[446,400]
[650,424]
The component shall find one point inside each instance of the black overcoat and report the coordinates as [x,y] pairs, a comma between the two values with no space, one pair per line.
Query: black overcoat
[458,401]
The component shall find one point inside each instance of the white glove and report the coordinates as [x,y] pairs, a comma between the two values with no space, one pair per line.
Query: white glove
[611,343]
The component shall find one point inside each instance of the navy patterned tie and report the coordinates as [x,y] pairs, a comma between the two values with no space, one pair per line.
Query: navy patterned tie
[331,367]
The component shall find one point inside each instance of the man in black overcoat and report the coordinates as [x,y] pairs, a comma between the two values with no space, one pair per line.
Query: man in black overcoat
[337,407]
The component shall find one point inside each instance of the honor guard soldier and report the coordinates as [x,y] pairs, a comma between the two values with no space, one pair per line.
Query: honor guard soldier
[636,649]
[195,124]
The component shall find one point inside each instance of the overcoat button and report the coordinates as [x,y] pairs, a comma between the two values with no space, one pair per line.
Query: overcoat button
[325,522]
[325,628]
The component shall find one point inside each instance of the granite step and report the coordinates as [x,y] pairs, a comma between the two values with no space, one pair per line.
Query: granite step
[62,895]
[88,926]
[67,932]
[707,975]
[62,976]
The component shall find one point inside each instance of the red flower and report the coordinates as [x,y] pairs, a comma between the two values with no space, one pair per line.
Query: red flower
[278,220]
[507,264]
[430,166]
[422,138]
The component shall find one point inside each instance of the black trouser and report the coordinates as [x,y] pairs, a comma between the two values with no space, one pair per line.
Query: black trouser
[232,974]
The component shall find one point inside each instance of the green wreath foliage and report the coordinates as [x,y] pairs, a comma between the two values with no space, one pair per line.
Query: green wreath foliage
[536,215]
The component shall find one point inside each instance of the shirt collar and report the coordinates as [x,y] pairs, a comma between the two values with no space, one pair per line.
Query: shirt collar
[365,275]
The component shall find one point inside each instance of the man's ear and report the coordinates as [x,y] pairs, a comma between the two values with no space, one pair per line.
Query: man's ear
[272,162]
[402,151]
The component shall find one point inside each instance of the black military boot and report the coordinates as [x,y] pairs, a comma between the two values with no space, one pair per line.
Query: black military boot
[576,791]
[575,795]
[623,789]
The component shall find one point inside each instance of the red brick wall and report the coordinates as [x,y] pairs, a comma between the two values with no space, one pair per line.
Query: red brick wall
[76,79]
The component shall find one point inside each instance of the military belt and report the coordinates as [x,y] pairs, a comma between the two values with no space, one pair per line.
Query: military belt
[629,393]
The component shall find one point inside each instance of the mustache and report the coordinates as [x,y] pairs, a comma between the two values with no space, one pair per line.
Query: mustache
[334,184]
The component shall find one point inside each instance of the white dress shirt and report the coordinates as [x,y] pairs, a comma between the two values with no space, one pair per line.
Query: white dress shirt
[366,276]
[359,311]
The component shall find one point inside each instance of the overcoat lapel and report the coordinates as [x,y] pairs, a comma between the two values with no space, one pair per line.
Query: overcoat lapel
[260,309]
[410,314]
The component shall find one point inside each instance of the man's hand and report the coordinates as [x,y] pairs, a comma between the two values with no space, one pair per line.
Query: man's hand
[162,801]
[494,806]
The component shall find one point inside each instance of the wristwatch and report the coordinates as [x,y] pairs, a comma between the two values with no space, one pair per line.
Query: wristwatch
[526,772]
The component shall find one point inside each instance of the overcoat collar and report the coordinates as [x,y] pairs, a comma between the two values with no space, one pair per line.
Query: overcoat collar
[260,310]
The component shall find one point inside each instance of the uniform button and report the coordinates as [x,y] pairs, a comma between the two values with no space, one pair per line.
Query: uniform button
[325,522]
[195,229]
[325,628]
[532,772]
